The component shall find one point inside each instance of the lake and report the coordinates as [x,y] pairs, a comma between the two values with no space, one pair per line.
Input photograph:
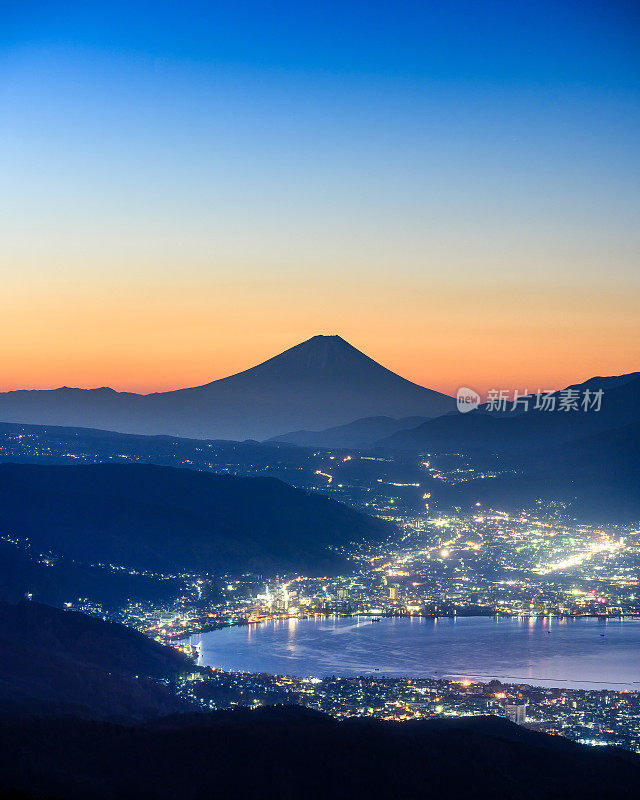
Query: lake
[583,652]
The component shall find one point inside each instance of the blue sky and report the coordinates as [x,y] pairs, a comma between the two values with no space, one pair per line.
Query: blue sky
[374,169]
[587,43]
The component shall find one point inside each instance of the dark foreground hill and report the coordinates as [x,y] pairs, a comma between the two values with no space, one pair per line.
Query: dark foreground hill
[170,520]
[295,753]
[319,383]
[62,662]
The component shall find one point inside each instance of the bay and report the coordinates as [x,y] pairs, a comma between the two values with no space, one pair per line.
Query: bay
[578,653]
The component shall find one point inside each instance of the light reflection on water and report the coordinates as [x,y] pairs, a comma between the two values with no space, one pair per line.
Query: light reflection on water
[583,652]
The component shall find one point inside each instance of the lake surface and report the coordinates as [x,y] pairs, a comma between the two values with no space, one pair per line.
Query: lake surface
[587,652]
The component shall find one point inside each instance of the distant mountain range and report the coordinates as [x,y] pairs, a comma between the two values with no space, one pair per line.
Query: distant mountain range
[486,431]
[511,432]
[172,520]
[320,383]
[359,434]
[589,461]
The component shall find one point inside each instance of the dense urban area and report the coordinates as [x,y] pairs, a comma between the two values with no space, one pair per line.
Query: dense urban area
[480,562]
[594,717]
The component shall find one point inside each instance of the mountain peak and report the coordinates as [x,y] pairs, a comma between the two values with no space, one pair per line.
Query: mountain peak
[324,342]
[319,356]
[317,384]
[328,337]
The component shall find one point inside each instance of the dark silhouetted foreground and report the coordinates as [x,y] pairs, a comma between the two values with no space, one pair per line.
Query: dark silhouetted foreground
[62,662]
[295,753]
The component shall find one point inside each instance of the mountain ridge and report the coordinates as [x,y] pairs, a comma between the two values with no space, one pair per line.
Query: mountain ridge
[316,384]
[508,431]
[63,662]
[168,519]
[359,434]
[283,753]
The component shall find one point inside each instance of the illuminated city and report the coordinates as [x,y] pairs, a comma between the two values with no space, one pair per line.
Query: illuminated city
[319,400]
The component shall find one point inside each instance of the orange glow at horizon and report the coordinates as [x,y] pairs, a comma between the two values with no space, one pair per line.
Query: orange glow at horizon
[147,340]
[186,196]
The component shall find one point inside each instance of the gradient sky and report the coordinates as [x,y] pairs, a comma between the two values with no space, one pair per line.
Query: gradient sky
[189,188]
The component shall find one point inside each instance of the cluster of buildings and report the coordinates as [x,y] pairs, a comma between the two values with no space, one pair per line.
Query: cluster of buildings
[595,717]
[488,564]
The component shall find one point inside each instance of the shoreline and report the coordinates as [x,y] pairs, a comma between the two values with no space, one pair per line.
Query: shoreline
[246,623]
[411,670]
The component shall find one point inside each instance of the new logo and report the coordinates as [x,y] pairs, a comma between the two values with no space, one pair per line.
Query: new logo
[467,399]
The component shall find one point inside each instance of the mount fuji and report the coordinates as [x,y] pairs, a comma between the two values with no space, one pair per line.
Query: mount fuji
[317,384]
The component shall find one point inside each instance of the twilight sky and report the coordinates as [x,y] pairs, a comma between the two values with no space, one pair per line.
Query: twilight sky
[190,187]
